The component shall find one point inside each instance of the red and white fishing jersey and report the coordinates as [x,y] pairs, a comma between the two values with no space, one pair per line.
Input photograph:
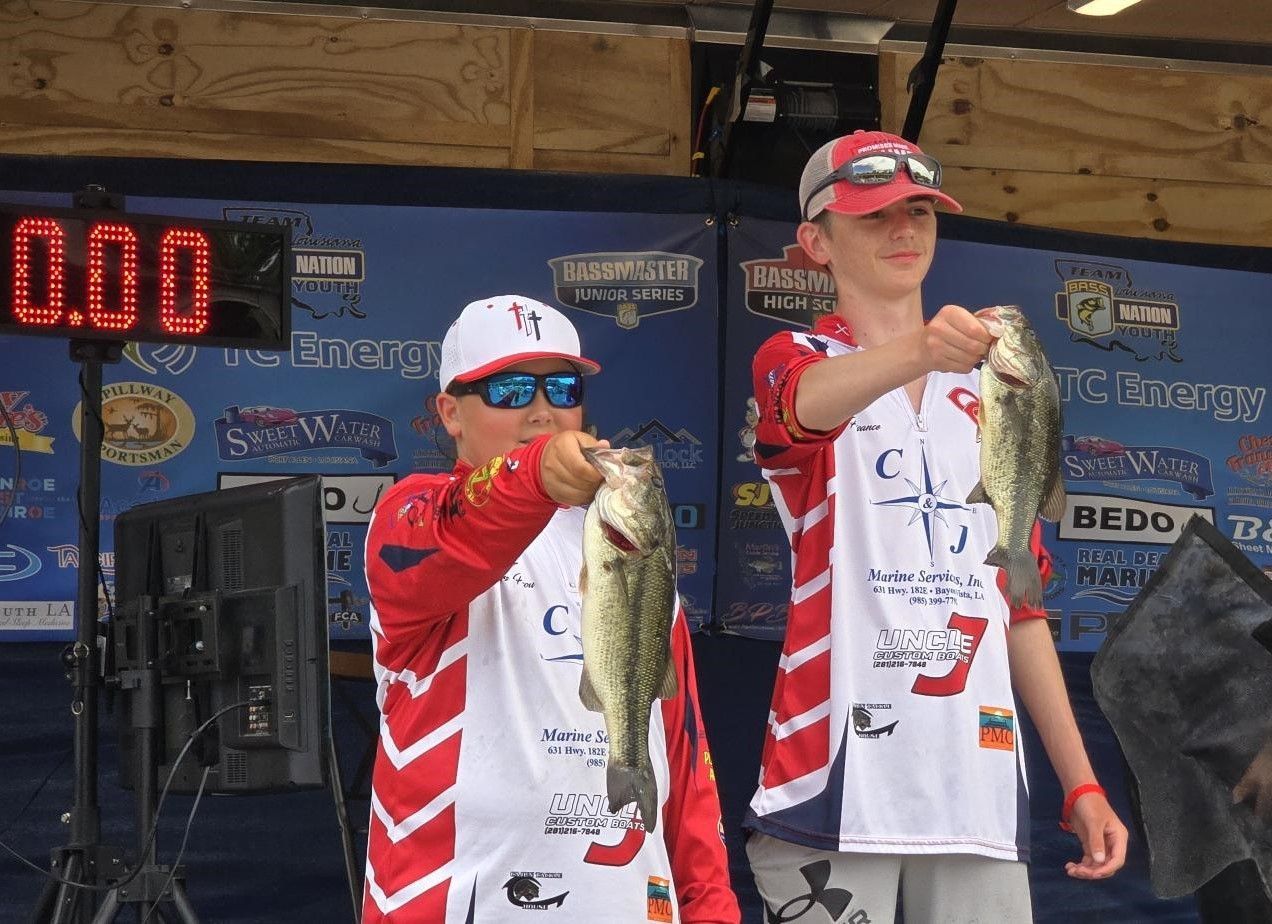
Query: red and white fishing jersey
[488,796]
[893,724]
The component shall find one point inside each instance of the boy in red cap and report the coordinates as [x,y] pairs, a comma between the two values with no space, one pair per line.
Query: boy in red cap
[489,792]
[892,760]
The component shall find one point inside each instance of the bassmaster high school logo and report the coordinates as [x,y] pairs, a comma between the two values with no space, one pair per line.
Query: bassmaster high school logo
[1102,308]
[627,286]
[144,424]
[793,288]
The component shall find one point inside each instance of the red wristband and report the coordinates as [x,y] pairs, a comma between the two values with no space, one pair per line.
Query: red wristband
[1074,795]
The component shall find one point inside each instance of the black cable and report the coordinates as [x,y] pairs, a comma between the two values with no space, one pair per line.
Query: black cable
[35,795]
[154,825]
[172,872]
[17,463]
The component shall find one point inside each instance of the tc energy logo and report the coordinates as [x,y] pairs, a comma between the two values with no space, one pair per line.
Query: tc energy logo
[792,288]
[1103,309]
[626,286]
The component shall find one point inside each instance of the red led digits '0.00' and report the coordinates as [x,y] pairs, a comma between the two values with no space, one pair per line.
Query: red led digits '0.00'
[24,232]
[99,236]
[195,320]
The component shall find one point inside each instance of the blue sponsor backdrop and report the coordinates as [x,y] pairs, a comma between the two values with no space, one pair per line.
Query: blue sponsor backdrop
[374,288]
[1164,378]
[1159,364]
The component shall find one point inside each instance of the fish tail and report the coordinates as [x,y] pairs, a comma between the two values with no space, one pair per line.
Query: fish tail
[1024,584]
[633,784]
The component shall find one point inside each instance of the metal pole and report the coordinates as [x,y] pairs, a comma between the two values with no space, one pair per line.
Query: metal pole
[923,77]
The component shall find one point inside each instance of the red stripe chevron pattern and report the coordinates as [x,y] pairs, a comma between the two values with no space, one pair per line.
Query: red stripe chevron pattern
[411,838]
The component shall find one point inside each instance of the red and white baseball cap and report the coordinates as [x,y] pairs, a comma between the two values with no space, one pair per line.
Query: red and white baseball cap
[848,198]
[491,334]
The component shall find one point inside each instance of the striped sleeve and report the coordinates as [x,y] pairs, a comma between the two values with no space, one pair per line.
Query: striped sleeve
[780,440]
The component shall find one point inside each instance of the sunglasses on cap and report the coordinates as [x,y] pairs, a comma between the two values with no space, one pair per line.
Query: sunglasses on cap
[876,169]
[517,389]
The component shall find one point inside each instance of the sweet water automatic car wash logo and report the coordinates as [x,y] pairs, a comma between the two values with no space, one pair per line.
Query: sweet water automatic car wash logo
[791,288]
[626,286]
[144,424]
[1103,308]
[1098,458]
[264,430]
[326,272]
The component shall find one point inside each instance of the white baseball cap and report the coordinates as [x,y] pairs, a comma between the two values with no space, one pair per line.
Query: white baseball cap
[493,333]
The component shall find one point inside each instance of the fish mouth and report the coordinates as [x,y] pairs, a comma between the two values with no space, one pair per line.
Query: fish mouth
[1011,381]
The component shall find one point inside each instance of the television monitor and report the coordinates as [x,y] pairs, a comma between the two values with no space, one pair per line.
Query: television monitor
[220,599]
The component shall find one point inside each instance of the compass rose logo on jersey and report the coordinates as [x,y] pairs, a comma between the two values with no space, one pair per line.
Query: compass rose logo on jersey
[927,502]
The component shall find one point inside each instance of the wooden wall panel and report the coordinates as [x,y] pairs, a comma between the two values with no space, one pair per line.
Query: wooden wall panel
[114,79]
[1154,153]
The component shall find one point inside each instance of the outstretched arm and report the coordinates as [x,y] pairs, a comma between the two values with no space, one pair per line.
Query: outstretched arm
[1035,672]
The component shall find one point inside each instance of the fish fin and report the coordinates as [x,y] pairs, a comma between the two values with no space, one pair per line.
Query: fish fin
[670,683]
[978,495]
[1024,584]
[626,785]
[587,693]
[1054,504]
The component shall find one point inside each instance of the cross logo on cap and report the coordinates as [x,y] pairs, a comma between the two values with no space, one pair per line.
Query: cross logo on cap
[527,322]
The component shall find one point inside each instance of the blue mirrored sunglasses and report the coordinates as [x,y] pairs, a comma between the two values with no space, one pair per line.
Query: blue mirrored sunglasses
[517,389]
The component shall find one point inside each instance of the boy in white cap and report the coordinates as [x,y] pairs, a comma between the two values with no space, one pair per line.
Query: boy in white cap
[489,792]
[892,762]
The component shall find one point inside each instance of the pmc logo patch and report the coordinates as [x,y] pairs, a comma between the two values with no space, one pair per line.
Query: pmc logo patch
[144,424]
[627,286]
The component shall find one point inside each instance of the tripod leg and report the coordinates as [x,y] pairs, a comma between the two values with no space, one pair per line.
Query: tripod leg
[185,910]
[346,836]
[48,895]
[64,904]
[109,908]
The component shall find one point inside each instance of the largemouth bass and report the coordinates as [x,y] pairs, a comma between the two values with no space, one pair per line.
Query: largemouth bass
[628,585]
[1020,447]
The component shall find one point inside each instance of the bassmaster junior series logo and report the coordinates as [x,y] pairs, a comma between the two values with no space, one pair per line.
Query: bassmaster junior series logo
[626,286]
[1102,308]
[145,424]
[792,288]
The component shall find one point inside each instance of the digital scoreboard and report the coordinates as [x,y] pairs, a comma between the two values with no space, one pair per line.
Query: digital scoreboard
[110,275]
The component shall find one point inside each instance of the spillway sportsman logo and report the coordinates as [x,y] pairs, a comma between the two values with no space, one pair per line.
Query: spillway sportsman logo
[145,424]
[322,266]
[1103,308]
[28,421]
[627,286]
[792,288]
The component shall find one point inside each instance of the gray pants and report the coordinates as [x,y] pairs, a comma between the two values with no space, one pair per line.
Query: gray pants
[813,886]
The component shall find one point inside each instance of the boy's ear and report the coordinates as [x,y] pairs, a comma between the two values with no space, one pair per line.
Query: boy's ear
[815,241]
[448,411]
